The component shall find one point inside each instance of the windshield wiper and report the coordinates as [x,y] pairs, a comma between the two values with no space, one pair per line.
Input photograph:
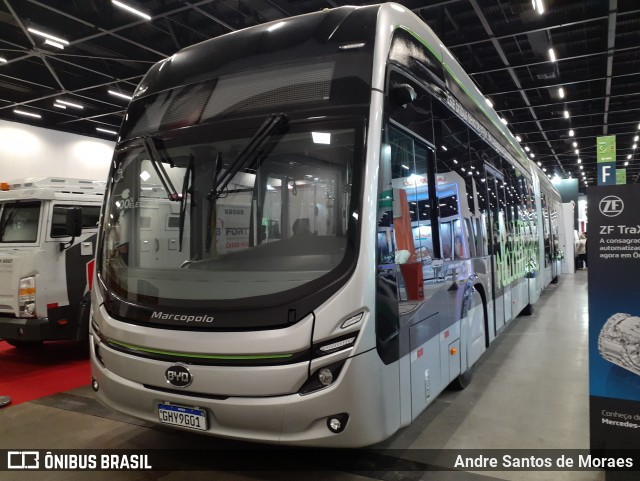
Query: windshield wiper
[219,185]
[187,188]
[262,134]
[150,147]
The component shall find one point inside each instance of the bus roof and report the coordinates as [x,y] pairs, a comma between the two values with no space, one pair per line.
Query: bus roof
[52,188]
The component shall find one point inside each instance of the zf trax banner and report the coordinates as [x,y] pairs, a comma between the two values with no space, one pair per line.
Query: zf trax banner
[613,249]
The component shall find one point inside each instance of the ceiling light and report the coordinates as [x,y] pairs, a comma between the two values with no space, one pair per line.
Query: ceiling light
[575,144]
[118,94]
[444,148]
[106,131]
[561,92]
[70,104]
[566,114]
[544,169]
[571,133]
[489,103]
[552,55]
[350,46]
[527,148]
[404,167]
[518,138]
[130,9]
[634,146]
[537,5]
[629,156]
[579,161]
[321,137]
[539,164]
[3,60]
[581,167]
[28,114]
[532,155]
[626,163]
[577,151]
[636,138]
[503,120]
[54,44]
[63,107]
[50,37]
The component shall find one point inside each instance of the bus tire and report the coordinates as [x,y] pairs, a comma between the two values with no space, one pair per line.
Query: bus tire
[463,380]
[527,311]
[24,344]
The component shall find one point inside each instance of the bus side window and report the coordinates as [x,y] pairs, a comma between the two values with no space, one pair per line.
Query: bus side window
[471,241]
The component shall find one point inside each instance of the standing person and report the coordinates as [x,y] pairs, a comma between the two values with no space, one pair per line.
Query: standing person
[581,250]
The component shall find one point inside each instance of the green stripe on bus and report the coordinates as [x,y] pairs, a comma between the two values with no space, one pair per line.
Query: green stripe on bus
[222,357]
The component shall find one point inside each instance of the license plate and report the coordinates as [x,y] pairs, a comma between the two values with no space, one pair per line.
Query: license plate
[186,417]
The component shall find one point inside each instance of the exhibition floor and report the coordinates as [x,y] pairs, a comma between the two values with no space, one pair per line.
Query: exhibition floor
[529,392]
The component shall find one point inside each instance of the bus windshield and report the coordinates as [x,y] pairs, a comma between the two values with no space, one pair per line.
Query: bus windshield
[219,213]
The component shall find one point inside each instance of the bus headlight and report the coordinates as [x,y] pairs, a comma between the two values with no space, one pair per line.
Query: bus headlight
[325,376]
[321,378]
[27,296]
[334,345]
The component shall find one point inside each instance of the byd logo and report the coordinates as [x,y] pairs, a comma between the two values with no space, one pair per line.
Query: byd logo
[611,206]
[178,375]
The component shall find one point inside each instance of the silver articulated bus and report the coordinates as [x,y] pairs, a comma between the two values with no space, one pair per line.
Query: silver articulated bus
[311,228]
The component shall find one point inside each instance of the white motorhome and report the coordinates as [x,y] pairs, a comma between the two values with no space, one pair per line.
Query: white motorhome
[48,230]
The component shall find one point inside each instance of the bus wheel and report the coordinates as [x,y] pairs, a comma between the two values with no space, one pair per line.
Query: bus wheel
[25,344]
[527,311]
[463,380]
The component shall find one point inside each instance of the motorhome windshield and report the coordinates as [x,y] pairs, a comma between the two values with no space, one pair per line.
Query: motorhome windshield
[19,221]
[178,234]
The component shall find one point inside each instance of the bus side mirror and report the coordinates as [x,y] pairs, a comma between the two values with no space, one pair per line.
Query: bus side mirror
[403,94]
[73,222]
[72,225]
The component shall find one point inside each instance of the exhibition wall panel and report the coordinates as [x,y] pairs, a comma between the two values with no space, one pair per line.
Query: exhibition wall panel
[27,151]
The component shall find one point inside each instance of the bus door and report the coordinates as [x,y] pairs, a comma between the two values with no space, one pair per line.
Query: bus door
[497,243]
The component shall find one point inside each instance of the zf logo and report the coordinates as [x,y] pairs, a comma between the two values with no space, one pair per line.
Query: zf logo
[23,460]
[611,206]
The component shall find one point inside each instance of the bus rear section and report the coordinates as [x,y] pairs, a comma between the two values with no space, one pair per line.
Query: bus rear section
[48,230]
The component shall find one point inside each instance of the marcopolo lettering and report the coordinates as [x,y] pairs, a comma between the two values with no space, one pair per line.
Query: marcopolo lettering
[181,317]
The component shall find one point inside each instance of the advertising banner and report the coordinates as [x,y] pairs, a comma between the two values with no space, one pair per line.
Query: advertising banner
[606,156]
[613,249]
[621,176]
[232,229]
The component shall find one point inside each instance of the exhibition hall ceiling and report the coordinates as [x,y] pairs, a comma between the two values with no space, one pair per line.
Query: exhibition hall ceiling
[557,108]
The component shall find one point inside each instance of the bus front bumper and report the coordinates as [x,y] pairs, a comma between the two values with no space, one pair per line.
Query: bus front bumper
[290,419]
